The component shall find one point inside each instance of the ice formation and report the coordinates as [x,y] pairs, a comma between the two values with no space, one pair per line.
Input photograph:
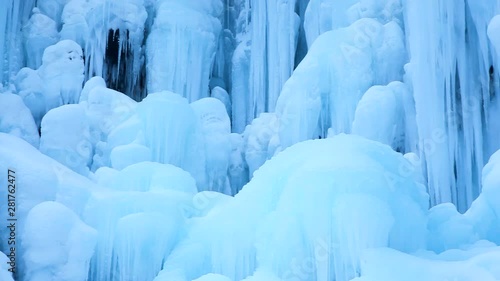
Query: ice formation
[4,269]
[75,150]
[16,119]
[58,245]
[181,47]
[174,140]
[340,67]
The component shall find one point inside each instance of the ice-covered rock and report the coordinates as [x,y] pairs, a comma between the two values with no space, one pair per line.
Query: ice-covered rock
[58,244]
[16,119]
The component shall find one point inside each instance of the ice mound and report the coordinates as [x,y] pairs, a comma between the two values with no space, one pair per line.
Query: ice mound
[216,129]
[390,265]
[326,87]
[105,110]
[181,47]
[213,277]
[16,119]
[140,219]
[331,198]
[267,34]
[66,137]
[58,81]
[387,114]
[58,244]
[62,71]
[52,8]
[38,179]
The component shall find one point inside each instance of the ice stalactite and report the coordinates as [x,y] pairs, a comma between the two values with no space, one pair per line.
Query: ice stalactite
[13,15]
[216,129]
[116,50]
[453,93]
[182,46]
[264,58]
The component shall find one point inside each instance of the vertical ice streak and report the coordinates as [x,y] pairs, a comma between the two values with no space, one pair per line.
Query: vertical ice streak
[451,95]
[182,46]
[13,14]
